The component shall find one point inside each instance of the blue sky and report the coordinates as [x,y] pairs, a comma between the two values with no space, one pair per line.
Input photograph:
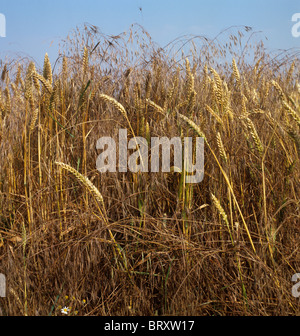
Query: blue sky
[34,27]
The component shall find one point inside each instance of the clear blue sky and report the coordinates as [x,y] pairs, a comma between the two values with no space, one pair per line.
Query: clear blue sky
[34,27]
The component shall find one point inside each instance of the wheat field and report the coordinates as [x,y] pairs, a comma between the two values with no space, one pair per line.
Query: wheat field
[136,244]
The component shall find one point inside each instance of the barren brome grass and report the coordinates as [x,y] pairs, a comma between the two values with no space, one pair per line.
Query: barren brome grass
[150,243]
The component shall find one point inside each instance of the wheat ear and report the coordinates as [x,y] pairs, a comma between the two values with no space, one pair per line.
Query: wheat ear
[223,214]
[33,120]
[193,125]
[85,60]
[219,86]
[44,81]
[84,180]
[254,135]
[236,73]
[279,90]
[115,103]
[155,106]
[198,130]
[292,112]
[221,148]
[47,70]
[96,193]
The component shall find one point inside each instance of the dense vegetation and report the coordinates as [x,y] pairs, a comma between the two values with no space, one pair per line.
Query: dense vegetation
[148,243]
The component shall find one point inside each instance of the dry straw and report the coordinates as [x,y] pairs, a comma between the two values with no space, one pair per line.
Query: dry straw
[151,218]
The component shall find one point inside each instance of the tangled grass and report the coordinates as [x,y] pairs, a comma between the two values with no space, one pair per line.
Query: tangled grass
[148,243]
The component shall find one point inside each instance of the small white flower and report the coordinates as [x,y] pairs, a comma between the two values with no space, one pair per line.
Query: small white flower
[65,310]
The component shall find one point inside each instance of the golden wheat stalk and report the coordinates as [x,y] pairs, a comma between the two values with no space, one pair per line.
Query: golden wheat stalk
[155,106]
[220,209]
[192,101]
[29,80]
[64,67]
[236,73]
[148,85]
[292,112]
[8,101]
[44,81]
[18,75]
[4,72]
[198,130]
[290,72]
[221,148]
[213,113]
[174,89]
[192,124]
[190,79]
[115,103]
[244,107]
[278,89]
[219,86]
[119,107]
[47,69]
[85,60]
[222,214]
[96,193]
[254,135]
[227,102]
[84,180]
[33,120]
